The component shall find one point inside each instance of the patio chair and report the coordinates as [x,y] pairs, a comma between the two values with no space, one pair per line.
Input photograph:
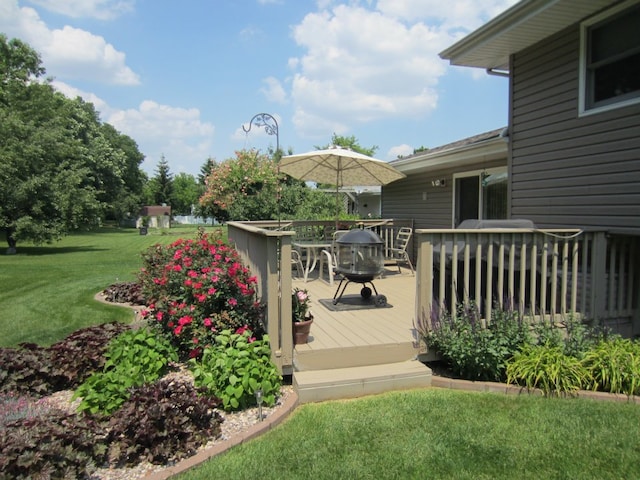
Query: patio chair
[328,257]
[398,253]
[296,261]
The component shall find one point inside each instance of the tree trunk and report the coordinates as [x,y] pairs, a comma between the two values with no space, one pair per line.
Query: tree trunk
[11,241]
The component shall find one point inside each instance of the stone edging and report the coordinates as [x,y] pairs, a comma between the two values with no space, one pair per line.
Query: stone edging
[495,387]
[274,419]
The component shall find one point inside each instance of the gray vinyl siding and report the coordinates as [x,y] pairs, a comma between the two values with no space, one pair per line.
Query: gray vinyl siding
[566,170]
[403,199]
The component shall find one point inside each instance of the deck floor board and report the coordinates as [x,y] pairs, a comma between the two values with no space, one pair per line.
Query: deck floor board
[361,332]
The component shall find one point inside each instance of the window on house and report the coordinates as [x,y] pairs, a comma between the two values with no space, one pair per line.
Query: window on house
[611,59]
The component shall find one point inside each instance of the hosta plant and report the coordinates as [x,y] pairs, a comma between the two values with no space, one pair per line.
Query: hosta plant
[614,366]
[196,289]
[235,366]
[547,368]
[133,358]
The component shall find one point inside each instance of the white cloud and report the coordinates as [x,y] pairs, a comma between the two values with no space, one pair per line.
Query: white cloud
[362,66]
[466,15]
[177,133]
[72,92]
[399,151]
[273,90]
[100,9]
[367,61]
[67,53]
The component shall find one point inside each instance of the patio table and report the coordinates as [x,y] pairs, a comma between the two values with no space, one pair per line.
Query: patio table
[312,248]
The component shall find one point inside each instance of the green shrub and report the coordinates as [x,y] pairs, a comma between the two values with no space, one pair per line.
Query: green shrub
[614,366]
[574,336]
[133,358]
[162,423]
[197,288]
[475,352]
[548,368]
[235,366]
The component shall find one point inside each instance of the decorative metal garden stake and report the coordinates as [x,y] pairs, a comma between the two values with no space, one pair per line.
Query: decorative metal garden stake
[258,395]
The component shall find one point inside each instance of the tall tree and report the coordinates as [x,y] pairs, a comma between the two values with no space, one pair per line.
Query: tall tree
[186,193]
[350,143]
[46,187]
[162,183]
[60,169]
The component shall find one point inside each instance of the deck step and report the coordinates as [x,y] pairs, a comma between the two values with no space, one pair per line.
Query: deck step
[306,358]
[338,383]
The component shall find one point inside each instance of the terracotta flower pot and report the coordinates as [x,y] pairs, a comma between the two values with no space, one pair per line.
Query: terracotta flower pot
[301,331]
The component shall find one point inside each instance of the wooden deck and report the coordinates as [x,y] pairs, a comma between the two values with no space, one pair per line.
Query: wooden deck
[358,352]
[360,337]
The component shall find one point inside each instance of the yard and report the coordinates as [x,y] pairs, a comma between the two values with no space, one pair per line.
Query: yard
[430,433]
[442,434]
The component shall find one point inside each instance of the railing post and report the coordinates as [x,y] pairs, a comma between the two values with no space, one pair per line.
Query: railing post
[424,280]
[597,302]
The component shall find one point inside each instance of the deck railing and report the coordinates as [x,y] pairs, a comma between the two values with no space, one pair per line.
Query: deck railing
[546,274]
[265,247]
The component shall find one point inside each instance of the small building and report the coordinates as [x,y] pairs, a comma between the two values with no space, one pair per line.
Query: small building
[154,216]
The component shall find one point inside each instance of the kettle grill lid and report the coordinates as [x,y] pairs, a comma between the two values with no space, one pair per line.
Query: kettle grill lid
[360,236]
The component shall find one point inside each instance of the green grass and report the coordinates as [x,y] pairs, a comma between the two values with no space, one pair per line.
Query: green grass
[441,434]
[47,292]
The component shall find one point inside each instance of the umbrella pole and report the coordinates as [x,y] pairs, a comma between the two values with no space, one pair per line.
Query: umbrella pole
[338,192]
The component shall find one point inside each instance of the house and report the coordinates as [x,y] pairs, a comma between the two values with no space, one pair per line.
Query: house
[574,101]
[574,122]
[444,186]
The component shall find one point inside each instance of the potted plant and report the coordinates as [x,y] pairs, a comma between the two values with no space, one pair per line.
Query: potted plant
[302,317]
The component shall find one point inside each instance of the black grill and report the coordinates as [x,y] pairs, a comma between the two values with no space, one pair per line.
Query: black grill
[359,259]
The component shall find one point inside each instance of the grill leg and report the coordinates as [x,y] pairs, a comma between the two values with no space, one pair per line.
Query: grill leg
[336,297]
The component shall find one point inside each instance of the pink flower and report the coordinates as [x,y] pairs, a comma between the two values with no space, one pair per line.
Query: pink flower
[201,297]
[186,320]
[302,296]
[211,291]
[207,322]
[177,268]
[159,316]
[177,330]
[192,274]
[232,302]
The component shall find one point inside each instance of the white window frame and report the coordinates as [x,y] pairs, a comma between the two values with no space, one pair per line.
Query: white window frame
[472,173]
[582,94]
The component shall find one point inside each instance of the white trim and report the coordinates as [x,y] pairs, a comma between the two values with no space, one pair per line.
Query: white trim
[582,72]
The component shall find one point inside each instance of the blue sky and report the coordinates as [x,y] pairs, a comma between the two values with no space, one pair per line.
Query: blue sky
[182,77]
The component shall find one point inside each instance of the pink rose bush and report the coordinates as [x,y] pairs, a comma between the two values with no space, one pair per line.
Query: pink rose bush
[197,288]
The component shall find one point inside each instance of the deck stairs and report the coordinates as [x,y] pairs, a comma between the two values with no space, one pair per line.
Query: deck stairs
[357,353]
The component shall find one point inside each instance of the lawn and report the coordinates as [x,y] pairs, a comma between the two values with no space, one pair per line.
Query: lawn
[442,434]
[47,292]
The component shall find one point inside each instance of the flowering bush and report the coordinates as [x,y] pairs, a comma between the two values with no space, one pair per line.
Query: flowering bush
[300,305]
[197,288]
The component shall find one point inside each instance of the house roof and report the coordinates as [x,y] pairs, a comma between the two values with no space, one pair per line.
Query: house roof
[486,146]
[519,27]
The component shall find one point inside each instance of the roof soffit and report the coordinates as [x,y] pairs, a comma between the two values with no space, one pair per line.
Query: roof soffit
[519,27]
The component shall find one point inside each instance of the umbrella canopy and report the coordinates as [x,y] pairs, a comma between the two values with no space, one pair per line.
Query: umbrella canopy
[340,167]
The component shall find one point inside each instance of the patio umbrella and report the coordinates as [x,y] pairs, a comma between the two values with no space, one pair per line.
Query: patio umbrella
[340,167]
